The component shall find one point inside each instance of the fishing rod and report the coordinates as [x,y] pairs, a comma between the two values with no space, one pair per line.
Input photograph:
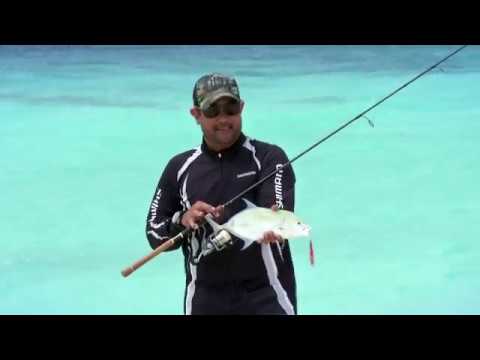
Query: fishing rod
[186,232]
[362,114]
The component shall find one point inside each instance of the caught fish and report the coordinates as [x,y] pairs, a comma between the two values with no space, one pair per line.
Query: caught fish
[251,223]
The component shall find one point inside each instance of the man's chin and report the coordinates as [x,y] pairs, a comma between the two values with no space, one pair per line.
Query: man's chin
[227,138]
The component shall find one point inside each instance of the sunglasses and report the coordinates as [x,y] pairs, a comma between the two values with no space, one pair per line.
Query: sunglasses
[230,108]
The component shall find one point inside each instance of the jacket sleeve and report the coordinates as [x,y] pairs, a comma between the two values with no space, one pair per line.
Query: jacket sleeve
[164,215]
[280,188]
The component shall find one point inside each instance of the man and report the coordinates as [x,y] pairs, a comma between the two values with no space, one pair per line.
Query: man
[259,279]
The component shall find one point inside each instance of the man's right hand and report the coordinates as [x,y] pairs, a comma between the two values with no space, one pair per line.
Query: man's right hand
[197,212]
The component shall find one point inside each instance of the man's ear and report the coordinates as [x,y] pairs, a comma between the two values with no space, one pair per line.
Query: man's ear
[195,112]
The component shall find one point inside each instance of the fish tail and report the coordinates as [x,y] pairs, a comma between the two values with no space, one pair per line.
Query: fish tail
[216,227]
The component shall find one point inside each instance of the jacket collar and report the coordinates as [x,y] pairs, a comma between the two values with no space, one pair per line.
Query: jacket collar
[226,152]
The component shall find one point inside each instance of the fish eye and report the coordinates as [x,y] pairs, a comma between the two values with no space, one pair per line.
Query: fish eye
[298,223]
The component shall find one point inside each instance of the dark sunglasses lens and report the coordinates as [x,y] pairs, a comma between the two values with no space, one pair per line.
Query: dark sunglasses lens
[212,111]
[232,108]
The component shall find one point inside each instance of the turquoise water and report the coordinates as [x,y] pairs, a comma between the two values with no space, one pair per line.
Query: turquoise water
[86,131]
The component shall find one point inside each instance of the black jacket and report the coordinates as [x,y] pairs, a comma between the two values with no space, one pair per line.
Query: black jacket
[212,177]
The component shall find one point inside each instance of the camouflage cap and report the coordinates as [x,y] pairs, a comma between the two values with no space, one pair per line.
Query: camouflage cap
[211,87]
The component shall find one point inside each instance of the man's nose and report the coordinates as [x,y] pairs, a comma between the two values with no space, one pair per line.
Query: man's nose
[223,118]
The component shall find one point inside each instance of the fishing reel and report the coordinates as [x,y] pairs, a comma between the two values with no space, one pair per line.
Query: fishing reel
[216,242]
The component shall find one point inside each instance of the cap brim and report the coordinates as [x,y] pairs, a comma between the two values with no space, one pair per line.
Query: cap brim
[211,98]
